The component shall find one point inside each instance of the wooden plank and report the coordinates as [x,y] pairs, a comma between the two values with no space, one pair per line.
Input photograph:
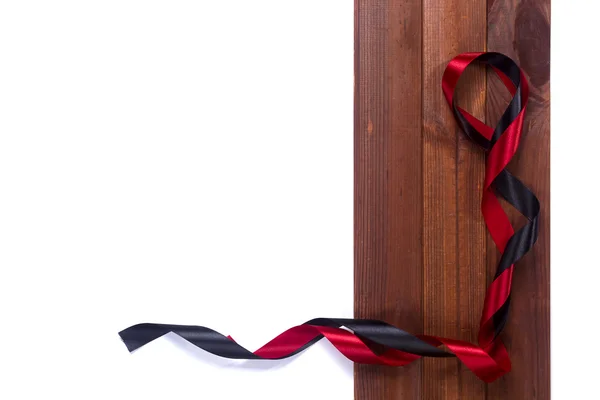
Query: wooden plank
[521,30]
[472,232]
[453,246]
[388,200]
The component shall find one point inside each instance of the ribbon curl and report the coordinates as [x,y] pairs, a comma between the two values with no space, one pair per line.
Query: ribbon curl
[376,342]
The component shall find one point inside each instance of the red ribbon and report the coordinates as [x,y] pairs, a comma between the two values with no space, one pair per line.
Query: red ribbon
[489,359]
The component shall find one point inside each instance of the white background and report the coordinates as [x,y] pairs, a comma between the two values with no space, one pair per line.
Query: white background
[575,145]
[185,162]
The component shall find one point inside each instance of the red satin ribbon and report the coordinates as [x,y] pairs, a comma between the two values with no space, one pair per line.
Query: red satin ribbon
[489,359]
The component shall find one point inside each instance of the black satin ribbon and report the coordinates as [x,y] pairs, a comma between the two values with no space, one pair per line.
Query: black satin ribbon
[375,331]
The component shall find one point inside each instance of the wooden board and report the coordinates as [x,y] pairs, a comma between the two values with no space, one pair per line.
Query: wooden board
[422,254]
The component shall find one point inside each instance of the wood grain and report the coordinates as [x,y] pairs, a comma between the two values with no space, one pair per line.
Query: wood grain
[388,203]
[453,234]
[422,254]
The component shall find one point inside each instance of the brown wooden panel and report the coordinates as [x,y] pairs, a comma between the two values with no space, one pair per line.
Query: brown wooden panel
[521,30]
[388,201]
[454,237]
[421,246]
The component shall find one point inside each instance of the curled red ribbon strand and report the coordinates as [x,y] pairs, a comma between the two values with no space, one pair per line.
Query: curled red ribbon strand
[376,342]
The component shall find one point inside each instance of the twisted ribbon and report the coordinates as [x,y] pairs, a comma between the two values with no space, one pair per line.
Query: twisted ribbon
[376,342]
